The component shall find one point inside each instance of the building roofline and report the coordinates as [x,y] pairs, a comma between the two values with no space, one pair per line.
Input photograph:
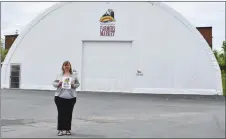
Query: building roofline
[11,35]
[205,27]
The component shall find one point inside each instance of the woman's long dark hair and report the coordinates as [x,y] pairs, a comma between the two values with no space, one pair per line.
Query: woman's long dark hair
[67,63]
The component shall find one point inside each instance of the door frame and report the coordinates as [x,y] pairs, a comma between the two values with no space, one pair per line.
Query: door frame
[14,64]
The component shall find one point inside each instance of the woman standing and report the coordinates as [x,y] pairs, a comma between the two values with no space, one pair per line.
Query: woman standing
[65,97]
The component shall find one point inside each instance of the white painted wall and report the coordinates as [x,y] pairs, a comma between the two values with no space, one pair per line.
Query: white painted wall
[172,54]
[107,66]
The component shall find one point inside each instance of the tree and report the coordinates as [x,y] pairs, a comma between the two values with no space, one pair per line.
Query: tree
[224,46]
[221,59]
[221,55]
[216,53]
[224,51]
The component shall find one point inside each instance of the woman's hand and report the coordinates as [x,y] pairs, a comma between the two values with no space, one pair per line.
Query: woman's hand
[60,83]
[75,84]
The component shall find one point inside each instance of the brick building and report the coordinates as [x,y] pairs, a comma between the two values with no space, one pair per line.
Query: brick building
[207,34]
[9,40]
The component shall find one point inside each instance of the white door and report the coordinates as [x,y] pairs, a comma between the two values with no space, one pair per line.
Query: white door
[106,66]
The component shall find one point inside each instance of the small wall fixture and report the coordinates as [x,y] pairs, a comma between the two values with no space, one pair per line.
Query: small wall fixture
[139,73]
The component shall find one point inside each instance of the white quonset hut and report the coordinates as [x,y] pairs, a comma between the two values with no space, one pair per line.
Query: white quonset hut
[138,47]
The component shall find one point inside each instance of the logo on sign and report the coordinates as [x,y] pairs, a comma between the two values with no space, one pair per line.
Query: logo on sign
[107,23]
[139,73]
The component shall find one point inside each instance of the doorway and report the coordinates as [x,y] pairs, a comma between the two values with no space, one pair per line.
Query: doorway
[106,66]
[15,76]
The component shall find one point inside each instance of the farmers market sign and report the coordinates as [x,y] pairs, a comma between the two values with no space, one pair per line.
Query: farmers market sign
[107,24]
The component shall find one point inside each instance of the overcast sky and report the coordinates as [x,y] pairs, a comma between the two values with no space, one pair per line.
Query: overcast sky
[16,15]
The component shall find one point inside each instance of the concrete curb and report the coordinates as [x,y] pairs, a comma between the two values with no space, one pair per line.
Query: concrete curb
[164,96]
[161,96]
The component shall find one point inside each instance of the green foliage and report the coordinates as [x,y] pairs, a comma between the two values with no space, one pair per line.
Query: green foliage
[221,59]
[221,55]
[224,52]
[224,46]
[3,52]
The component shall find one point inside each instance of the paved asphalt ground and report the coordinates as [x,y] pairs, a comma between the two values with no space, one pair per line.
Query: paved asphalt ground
[32,114]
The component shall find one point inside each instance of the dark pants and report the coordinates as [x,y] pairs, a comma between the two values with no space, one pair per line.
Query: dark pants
[65,110]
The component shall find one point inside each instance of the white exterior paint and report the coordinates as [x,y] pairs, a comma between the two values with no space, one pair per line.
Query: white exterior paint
[111,66]
[171,54]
